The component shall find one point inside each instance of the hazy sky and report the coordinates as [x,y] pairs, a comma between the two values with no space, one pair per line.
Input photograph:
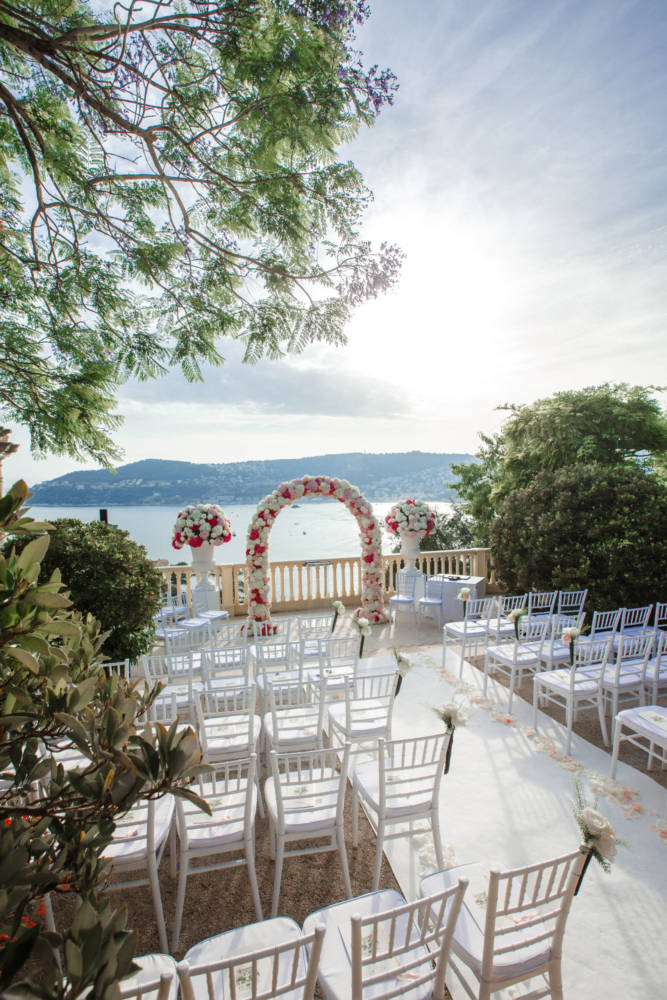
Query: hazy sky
[523,170]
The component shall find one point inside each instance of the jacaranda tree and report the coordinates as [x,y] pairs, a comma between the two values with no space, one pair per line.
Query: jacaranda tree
[168,177]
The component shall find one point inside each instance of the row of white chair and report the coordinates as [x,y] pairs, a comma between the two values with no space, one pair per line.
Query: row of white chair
[212,628]
[379,945]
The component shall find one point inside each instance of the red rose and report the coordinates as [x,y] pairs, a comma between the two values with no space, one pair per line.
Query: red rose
[254,534]
[195,542]
[369,558]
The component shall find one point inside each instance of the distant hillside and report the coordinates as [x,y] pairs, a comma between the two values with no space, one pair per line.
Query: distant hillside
[154,481]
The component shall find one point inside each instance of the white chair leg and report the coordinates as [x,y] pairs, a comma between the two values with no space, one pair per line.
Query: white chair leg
[252,875]
[183,866]
[463,653]
[618,729]
[172,851]
[569,713]
[556,980]
[340,840]
[486,673]
[536,696]
[378,853]
[437,838]
[355,813]
[280,853]
[603,723]
[157,902]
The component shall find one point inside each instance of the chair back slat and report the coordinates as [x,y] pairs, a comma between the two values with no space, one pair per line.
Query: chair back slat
[604,621]
[405,949]
[571,602]
[275,630]
[527,908]
[542,603]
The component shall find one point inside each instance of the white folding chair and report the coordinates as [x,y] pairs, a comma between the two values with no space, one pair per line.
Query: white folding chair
[401,785]
[138,843]
[225,666]
[378,945]
[604,624]
[186,640]
[432,599]
[660,618]
[312,628]
[404,597]
[571,602]
[646,729]
[575,686]
[231,794]
[263,961]
[226,723]
[200,609]
[554,652]
[275,630]
[500,626]
[633,621]
[120,667]
[337,660]
[231,633]
[541,603]
[366,712]
[276,660]
[622,681]
[157,979]
[295,720]
[514,658]
[517,935]
[305,798]
[472,630]
[655,674]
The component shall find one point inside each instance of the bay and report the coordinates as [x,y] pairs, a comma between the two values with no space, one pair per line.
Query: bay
[310,529]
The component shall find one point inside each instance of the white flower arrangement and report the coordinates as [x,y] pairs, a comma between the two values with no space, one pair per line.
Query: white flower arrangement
[403,664]
[515,617]
[600,840]
[464,594]
[411,515]
[452,715]
[199,523]
[569,636]
[363,626]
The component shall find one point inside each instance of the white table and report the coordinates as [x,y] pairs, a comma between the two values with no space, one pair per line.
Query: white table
[452,608]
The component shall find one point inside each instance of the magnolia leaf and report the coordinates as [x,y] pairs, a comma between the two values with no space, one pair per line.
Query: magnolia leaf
[34,552]
[181,792]
[25,658]
[44,599]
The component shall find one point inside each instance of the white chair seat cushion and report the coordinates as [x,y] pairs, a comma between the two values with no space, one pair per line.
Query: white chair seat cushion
[130,842]
[398,803]
[151,968]
[466,630]
[224,825]
[335,977]
[585,680]
[275,676]
[229,735]
[525,656]
[630,676]
[468,940]
[644,721]
[371,719]
[300,726]
[241,941]
[309,806]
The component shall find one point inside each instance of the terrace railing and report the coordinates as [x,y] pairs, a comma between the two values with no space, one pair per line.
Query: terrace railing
[297,584]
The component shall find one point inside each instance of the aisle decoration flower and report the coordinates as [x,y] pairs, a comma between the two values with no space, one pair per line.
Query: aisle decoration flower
[199,523]
[464,594]
[569,636]
[363,627]
[515,617]
[452,715]
[257,548]
[339,609]
[410,515]
[403,665]
[600,840]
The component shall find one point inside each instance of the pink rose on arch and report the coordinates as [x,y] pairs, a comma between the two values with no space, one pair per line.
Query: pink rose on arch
[254,534]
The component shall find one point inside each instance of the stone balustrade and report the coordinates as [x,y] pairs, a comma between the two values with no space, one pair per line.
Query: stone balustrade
[297,585]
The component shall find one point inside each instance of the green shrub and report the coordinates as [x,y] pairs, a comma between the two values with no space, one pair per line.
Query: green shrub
[111,577]
[586,526]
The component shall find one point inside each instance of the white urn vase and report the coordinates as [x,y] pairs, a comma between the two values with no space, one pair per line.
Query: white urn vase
[410,548]
[203,563]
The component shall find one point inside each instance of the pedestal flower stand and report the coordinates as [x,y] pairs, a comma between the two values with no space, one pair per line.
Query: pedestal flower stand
[203,563]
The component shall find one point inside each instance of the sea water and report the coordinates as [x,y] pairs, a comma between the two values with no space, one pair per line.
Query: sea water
[309,529]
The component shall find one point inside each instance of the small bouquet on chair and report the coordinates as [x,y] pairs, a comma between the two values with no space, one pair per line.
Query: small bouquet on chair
[515,617]
[452,715]
[600,840]
[403,665]
[363,627]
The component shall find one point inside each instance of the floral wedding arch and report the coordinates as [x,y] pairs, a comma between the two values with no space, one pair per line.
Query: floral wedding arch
[257,551]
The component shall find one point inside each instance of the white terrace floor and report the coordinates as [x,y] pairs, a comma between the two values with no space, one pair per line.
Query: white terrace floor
[508,798]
